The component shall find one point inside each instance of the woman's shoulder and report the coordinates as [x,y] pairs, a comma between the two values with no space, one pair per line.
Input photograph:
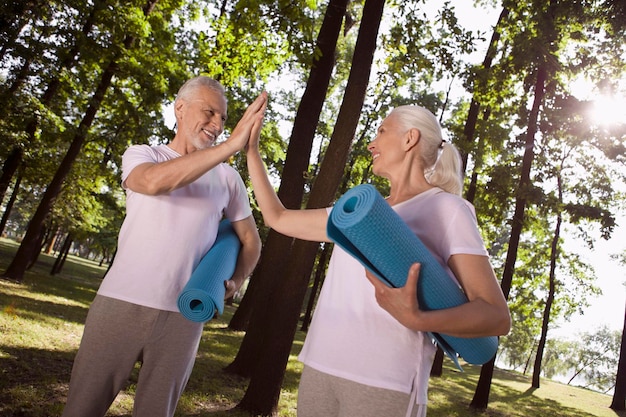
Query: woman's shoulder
[442,204]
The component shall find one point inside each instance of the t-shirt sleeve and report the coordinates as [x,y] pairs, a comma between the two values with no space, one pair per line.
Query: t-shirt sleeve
[135,155]
[460,230]
[239,203]
[462,234]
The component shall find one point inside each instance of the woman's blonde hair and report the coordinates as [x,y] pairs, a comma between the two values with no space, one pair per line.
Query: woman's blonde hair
[440,159]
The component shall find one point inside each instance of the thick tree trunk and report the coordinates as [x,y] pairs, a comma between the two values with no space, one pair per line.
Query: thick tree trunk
[284,307]
[437,368]
[291,190]
[278,247]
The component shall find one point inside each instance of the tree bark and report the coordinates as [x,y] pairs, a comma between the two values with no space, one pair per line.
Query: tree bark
[277,247]
[317,282]
[284,307]
[437,368]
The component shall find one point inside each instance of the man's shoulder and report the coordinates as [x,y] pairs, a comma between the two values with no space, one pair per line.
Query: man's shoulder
[156,152]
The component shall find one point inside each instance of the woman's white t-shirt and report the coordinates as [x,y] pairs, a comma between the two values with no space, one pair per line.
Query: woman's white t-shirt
[164,237]
[352,337]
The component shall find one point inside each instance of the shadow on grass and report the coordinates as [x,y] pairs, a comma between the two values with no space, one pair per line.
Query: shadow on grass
[32,309]
[34,381]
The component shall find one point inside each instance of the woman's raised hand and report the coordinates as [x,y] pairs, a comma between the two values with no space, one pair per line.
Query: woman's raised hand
[253,116]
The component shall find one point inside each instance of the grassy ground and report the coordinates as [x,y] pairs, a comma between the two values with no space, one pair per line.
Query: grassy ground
[41,323]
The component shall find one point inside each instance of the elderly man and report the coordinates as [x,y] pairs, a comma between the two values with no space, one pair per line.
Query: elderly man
[176,195]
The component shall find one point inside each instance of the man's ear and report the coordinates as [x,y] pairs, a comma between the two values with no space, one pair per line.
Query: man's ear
[412,138]
[178,109]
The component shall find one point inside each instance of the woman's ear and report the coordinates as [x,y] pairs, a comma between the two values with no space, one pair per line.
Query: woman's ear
[412,138]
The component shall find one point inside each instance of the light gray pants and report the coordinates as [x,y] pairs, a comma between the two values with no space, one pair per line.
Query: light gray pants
[324,395]
[118,334]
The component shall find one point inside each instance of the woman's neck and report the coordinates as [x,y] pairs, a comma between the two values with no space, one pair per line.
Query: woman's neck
[407,190]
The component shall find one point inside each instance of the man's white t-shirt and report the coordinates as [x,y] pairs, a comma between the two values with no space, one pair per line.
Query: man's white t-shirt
[352,337]
[163,238]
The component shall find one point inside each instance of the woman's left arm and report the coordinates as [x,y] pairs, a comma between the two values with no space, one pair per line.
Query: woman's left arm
[485,314]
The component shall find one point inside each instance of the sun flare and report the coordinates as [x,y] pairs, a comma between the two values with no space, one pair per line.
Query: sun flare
[609,110]
[606,108]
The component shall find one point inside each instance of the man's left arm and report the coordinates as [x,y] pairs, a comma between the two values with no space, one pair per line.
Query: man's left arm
[249,253]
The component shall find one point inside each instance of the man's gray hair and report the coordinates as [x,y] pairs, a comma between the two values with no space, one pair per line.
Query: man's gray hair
[200,81]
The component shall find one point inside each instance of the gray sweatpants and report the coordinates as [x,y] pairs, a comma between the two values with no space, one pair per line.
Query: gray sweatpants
[118,334]
[324,395]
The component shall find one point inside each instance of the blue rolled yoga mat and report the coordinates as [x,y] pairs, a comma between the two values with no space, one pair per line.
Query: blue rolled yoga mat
[204,292]
[364,225]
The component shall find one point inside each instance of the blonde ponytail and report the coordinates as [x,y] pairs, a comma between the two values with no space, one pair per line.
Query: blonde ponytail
[446,173]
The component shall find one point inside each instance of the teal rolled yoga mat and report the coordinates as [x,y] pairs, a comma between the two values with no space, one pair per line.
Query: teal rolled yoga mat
[365,226]
[204,292]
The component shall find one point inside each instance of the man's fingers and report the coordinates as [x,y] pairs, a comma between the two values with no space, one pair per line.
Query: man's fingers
[258,104]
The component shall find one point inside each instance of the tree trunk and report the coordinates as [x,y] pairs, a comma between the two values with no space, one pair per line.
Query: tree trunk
[481,395]
[277,247]
[317,282]
[9,168]
[479,85]
[437,368]
[27,249]
[554,255]
[60,260]
[619,394]
[10,203]
[470,195]
[51,242]
[291,190]
[284,308]
[262,283]
[282,313]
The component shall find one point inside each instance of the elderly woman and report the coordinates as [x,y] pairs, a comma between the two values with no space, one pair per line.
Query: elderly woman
[367,352]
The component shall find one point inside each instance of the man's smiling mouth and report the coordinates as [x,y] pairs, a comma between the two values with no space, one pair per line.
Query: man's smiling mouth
[210,135]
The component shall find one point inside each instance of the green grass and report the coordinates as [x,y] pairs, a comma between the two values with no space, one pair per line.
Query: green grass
[41,321]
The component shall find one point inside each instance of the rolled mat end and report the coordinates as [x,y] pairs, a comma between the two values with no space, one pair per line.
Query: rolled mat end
[204,293]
